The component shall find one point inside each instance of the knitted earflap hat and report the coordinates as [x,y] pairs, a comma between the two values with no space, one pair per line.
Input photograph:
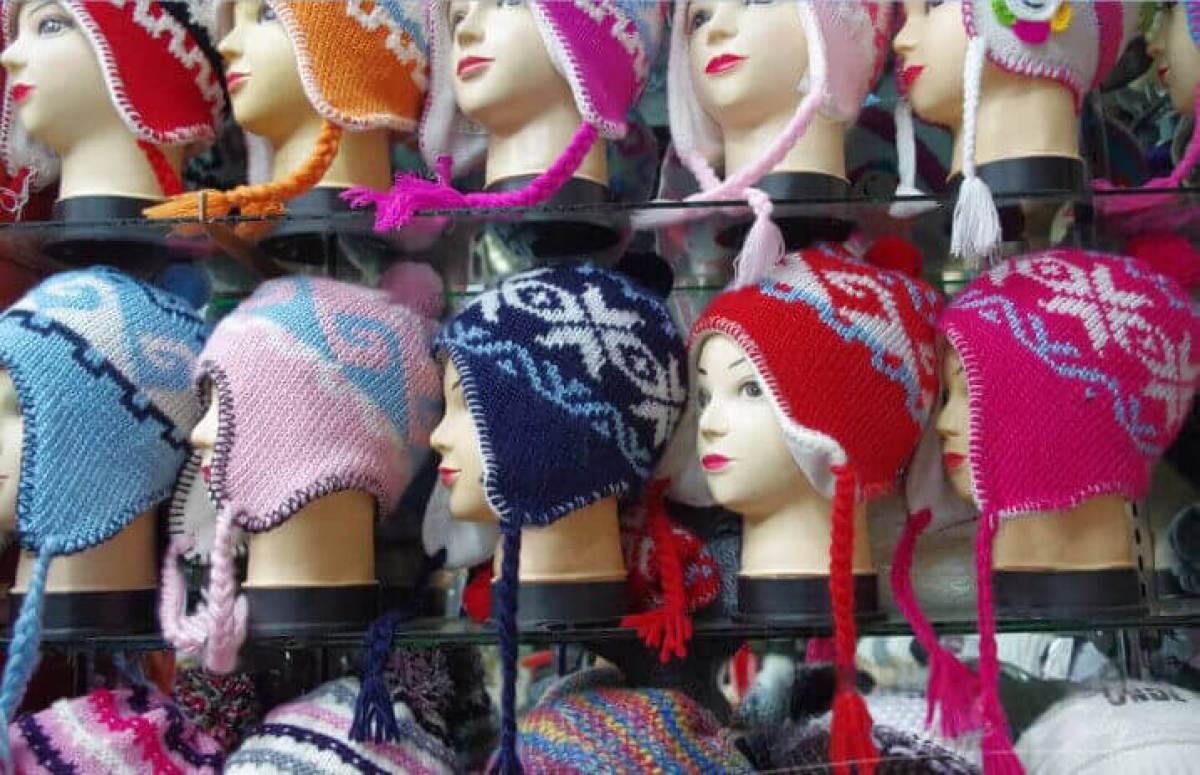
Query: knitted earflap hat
[101,365]
[1094,356]
[312,734]
[845,352]
[603,48]
[1071,42]
[163,75]
[362,393]
[589,723]
[575,380]
[127,730]
[363,66]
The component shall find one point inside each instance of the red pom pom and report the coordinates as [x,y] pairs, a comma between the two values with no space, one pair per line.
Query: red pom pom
[896,254]
[1170,254]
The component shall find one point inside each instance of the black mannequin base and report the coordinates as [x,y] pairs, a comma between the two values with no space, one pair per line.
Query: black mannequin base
[1035,174]
[552,605]
[310,238]
[573,234]
[110,230]
[70,615]
[801,600]
[1053,594]
[799,231]
[284,611]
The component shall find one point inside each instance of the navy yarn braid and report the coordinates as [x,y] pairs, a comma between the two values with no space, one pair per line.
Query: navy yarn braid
[506,612]
[374,714]
[23,649]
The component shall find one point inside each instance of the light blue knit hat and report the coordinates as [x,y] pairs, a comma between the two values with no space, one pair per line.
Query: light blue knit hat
[102,367]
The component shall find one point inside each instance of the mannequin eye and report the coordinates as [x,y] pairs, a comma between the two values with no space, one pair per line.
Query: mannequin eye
[53,25]
[697,18]
[750,389]
[931,4]
[702,398]
[266,14]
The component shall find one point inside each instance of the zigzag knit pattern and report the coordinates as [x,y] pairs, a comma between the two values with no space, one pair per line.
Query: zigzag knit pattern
[312,734]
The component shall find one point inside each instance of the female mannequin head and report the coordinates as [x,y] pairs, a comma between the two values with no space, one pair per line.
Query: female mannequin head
[1176,52]
[932,49]
[954,426]
[456,440]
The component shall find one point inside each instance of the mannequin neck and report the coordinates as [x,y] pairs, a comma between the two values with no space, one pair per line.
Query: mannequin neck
[583,546]
[1042,109]
[110,163]
[363,158]
[1092,536]
[822,148]
[533,146]
[328,543]
[794,539]
[126,562]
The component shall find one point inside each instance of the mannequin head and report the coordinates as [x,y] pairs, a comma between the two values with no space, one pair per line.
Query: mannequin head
[204,435]
[1176,58]
[12,430]
[954,425]
[932,49]
[746,460]
[455,439]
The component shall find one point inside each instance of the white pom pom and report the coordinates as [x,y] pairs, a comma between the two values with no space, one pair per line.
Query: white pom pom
[976,233]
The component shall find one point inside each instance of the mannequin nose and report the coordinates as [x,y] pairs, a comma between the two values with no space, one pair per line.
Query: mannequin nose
[905,39]
[470,29]
[723,24]
[1156,46]
[230,47]
[944,424]
[712,423]
[13,59]
[438,441]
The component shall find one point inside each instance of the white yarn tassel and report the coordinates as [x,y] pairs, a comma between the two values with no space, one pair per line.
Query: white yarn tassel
[976,231]
[763,248]
[906,157]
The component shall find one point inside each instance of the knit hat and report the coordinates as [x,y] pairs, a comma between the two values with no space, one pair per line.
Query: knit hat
[846,354]
[604,50]
[127,730]
[163,75]
[1073,43]
[312,735]
[1092,355]
[101,363]
[574,377]
[362,392]
[363,66]
[588,723]
[847,44]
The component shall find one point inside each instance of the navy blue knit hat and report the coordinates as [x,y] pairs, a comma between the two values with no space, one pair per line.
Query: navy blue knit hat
[102,366]
[575,378]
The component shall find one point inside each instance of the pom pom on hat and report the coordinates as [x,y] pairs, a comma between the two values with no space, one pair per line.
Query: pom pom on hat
[896,254]
[1170,254]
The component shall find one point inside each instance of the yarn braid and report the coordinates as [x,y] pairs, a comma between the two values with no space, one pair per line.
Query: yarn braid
[258,200]
[976,229]
[508,762]
[168,180]
[23,649]
[998,755]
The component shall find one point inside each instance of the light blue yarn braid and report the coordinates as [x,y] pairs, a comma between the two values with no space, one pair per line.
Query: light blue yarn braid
[23,649]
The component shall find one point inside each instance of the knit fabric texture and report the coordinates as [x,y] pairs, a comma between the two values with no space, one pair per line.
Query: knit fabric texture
[363,395]
[585,726]
[804,747]
[161,67]
[702,581]
[312,735]
[124,731]
[224,707]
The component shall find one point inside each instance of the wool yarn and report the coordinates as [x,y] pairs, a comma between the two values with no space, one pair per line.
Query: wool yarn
[312,735]
[574,376]
[363,67]
[1092,354]
[224,707]
[126,730]
[846,354]
[162,71]
[101,364]
[603,48]
[363,396]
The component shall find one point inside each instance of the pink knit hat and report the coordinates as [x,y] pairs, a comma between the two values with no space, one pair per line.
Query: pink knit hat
[1073,43]
[603,48]
[847,42]
[323,387]
[1094,356]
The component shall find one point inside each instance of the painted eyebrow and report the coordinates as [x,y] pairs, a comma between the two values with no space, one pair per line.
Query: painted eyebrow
[738,362]
[457,384]
[701,371]
[39,6]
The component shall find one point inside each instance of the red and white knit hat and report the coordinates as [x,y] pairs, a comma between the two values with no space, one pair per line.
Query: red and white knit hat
[163,75]
[846,353]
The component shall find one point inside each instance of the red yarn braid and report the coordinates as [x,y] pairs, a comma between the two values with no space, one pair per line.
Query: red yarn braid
[168,180]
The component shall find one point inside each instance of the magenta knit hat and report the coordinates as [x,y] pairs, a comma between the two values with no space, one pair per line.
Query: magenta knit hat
[1094,356]
[323,387]
[603,48]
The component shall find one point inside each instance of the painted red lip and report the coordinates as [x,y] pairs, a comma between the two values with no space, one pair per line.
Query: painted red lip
[234,80]
[471,65]
[952,461]
[448,475]
[206,472]
[723,63]
[713,463]
[909,75]
[21,92]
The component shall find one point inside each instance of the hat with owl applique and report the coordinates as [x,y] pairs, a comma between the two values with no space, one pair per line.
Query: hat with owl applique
[101,363]
[603,48]
[162,71]
[1095,356]
[363,395]
[1074,43]
[846,353]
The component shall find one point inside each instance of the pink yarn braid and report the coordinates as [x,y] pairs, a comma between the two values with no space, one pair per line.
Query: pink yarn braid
[998,755]
[186,633]
[412,194]
[953,689]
